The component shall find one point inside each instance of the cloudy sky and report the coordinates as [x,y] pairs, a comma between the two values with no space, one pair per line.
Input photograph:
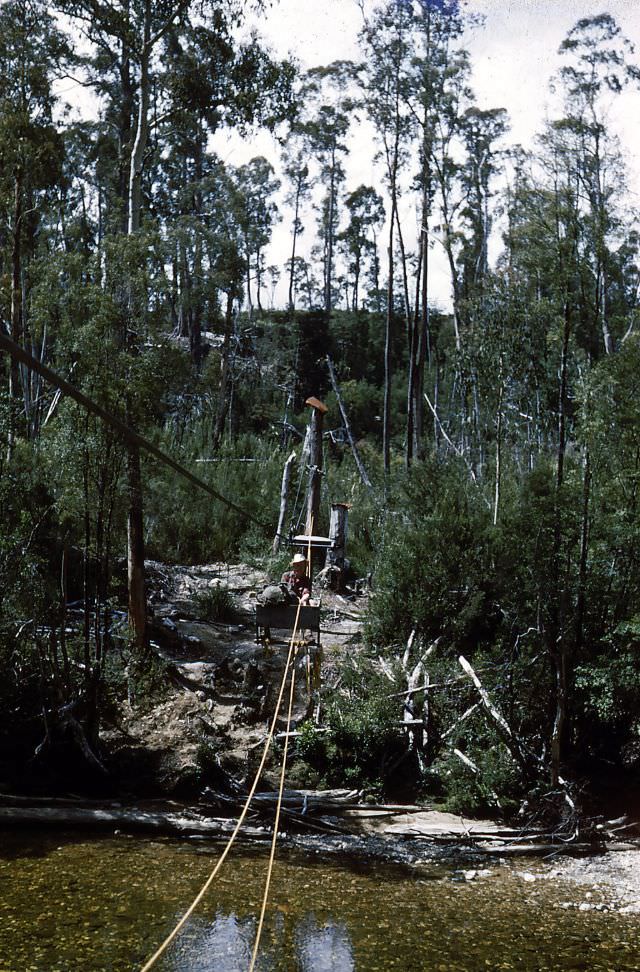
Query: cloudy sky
[514,54]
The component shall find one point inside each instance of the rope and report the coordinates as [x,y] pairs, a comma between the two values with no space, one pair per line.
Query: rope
[290,664]
[276,821]
[283,769]
[205,887]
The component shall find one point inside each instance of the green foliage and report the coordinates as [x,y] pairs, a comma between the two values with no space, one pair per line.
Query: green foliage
[432,567]
[186,525]
[608,692]
[215,604]
[495,789]
[362,748]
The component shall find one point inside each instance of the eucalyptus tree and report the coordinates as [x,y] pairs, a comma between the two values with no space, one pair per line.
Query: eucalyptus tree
[597,63]
[359,238]
[437,68]
[33,52]
[296,171]
[321,130]
[481,130]
[564,248]
[132,40]
[255,184]
[386,41]
[214,82]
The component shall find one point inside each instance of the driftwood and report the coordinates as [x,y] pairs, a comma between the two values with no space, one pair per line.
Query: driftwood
[309,800]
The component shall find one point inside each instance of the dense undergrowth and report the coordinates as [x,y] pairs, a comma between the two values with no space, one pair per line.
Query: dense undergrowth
[449,579]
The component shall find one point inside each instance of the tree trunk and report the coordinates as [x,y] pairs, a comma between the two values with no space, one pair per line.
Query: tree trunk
[330,220]
[388,345]
[315,470]
[224,388]
[142,131]
[135,557]
[496,497]
[296,227]
[338,537]
[556,637]
[423,354]
[16,310]
[284,495]
[135,518]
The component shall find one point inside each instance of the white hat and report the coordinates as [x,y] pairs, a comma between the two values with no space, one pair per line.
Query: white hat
[298,558]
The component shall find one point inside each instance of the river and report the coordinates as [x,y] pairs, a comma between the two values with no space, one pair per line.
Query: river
[76,904]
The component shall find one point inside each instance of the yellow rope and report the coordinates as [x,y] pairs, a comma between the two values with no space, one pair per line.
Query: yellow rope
[205,887]
[283,769]
[196,901]
[277,818]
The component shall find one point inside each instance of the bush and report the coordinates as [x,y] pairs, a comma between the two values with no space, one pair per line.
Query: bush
[496,788]
[216,604]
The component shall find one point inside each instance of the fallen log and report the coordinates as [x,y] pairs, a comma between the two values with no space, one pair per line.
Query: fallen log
[309,800]
[126,819]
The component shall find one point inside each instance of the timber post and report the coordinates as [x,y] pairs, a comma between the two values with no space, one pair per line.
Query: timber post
[318,412]
[338,537]
[284,495]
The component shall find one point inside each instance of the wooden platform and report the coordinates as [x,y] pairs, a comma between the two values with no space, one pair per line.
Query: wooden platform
[282,617]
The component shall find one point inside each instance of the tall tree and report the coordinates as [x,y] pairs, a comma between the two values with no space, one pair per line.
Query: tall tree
[597,62]
[256,212]
[32,52]
[366,215]
[386,41]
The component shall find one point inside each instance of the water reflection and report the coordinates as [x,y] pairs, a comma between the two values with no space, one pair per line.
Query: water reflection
[226,944]
[323,948]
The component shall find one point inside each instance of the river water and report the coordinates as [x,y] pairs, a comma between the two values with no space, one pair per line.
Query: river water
[86,905]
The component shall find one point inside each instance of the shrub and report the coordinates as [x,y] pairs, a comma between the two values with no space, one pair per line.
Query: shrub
[216,604]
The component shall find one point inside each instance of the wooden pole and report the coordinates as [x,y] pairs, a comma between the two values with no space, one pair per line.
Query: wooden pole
[338,537]
[318,411]
[284,494]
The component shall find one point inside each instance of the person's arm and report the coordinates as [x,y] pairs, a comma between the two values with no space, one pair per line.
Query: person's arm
[306,591]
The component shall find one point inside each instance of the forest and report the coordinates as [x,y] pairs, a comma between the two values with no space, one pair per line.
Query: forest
[494,500]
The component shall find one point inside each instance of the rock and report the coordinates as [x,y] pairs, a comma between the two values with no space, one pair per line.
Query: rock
[630,909]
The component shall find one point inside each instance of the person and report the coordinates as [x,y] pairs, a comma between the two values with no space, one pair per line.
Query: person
[296,579]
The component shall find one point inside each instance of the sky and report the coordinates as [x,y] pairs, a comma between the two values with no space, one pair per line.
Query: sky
[514,54]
